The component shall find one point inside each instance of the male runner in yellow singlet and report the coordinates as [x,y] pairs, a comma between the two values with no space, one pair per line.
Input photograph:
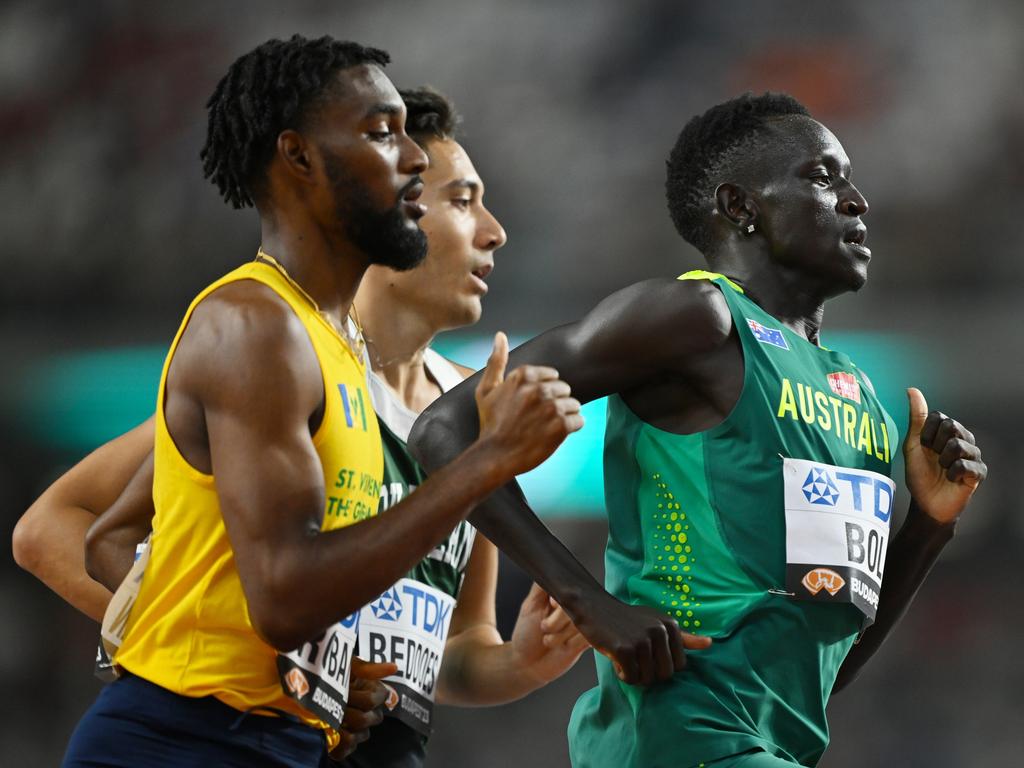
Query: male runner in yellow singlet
[401,312]
[266,447]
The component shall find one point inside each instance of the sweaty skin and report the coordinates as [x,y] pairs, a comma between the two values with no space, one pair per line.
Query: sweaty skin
[670,350]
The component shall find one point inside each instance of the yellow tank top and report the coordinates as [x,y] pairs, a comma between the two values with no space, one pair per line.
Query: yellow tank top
[189,630]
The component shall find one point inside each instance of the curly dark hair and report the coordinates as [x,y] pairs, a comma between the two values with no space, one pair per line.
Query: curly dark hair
[429,114]
[707,148]
[272,88]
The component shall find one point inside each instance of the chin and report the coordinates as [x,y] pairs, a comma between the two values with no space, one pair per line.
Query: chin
[471,311]
[848,282]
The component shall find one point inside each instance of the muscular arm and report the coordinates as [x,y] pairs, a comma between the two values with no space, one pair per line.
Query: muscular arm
[944,468]
[247,362]
[641,332]
[49,538]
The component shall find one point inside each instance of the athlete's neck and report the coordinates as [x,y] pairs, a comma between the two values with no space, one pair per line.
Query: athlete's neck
[396,337]
[785,294]
[323,265]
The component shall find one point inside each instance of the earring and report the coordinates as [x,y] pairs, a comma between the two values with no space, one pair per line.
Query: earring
[750,229]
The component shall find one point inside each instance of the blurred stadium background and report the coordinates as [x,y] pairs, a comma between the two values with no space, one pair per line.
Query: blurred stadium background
[108,230]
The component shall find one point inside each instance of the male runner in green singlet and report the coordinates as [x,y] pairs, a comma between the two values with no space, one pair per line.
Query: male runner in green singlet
[400,313]
[747,467]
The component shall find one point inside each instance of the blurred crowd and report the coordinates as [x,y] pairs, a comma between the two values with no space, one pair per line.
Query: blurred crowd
[108,229]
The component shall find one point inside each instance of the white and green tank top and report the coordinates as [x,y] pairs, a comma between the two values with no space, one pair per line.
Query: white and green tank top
[408,624]
[767,533]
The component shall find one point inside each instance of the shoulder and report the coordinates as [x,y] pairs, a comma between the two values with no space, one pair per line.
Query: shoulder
[244,335]
[691,314]
[247,311]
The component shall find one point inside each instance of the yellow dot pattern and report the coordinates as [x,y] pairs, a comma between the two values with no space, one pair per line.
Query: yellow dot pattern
[674,557]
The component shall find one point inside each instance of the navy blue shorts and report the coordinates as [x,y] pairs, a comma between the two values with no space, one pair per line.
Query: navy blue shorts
[136,724]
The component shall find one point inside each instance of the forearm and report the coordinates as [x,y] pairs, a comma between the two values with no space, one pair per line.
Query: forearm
[57,558]
[505,518]
[480,670]
[324,577]
[911,556]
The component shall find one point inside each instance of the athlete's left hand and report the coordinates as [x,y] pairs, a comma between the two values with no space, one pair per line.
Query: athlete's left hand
[944,466]
[545,642]
[364,708]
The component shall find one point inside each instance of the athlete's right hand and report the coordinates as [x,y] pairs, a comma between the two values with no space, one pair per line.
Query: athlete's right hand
[364,708]
[526,415]
[644,645]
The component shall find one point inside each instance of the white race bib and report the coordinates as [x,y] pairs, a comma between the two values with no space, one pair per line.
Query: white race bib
[408,625]
[119,609]
[316,674]
[837,531]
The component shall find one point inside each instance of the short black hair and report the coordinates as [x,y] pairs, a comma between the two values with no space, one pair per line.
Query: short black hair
[268,90]
[429,115]
[707,147]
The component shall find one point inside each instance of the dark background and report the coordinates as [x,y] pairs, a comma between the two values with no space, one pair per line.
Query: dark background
[107,230]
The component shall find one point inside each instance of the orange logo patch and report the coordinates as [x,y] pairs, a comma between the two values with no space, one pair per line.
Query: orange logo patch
[392,700]
[823,578]
[297,682]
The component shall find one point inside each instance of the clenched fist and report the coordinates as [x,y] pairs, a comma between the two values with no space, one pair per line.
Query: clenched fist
[526,415]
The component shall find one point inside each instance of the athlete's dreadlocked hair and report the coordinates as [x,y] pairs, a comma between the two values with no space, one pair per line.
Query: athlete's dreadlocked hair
[429,115]
[707,148]
[268,90]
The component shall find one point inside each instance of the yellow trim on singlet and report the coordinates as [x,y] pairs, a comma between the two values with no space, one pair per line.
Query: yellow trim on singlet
[703,274]
[190,631]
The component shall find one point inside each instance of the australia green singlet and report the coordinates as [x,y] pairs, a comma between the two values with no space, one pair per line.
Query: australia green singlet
[698,529]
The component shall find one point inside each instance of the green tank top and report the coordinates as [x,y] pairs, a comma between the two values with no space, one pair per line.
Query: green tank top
[697,529]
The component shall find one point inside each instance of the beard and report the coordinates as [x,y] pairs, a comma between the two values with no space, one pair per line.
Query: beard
[383,235]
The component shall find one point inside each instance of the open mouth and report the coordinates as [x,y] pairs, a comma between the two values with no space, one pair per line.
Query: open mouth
[410,198]
[856,238]
[413,191]
[480,276]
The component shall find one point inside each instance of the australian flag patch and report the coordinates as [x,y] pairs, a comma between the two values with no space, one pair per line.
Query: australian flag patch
[767,335]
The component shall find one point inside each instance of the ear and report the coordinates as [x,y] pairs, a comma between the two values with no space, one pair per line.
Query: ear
[736,206]
[296,155]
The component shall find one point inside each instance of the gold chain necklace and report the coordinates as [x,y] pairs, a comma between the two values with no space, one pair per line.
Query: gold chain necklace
[356,343]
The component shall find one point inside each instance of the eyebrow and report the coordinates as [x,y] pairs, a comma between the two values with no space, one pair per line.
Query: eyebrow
[471,184]
[384,109]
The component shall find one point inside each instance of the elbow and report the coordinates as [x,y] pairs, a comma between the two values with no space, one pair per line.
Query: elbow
[424,439]
[439,434]
[27,543]
[279,634]
[279,626]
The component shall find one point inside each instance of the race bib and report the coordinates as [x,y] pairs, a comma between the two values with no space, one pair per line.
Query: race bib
[408,626]
[316,674]
[115,618]
[837,531]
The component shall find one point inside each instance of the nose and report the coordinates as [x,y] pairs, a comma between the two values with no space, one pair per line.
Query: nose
[490,235]
[852,202]
[413,160]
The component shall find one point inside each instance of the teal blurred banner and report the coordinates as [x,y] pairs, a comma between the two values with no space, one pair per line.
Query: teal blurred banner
[74,403]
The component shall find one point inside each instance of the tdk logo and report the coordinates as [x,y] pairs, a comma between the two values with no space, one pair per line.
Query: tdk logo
[388,606]
[428,612]
[819,488]
[865,493]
